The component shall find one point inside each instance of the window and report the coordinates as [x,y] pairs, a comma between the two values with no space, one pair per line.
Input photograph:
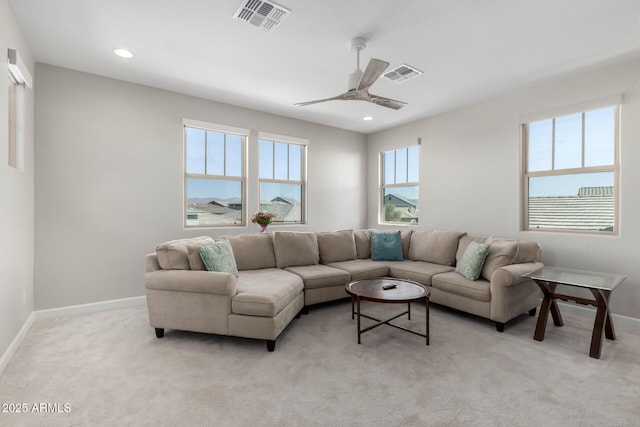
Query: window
[571,172]
[400,183]
[282,179]
[214,177]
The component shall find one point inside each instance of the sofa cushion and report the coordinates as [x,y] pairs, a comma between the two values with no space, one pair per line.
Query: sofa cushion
[174,254]
[219,257]
[456,284]
[363,243]
[294,248]
[336,246]
[363,268]
[253,251]
[464,242]
[528,252]
[418,271]
[265,292]
[470,266]
[501,253]
[438,247]
[386,246]
[320,276]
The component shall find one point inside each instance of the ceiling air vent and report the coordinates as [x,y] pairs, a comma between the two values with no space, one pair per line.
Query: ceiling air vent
[262,14]
[402,73]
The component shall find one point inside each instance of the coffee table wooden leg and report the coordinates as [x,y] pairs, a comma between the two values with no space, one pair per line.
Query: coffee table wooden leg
[353,300]
[358,307]
[427,318]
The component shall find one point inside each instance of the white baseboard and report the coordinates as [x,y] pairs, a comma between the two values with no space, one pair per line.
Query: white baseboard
[623,322]
[89,308]
[13,347]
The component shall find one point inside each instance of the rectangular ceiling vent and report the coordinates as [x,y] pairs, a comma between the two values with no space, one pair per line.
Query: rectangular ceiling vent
[402,73]
[262,14]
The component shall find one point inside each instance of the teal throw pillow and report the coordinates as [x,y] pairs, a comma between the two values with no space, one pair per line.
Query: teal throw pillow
[219,257]
[386,246]
[472,261]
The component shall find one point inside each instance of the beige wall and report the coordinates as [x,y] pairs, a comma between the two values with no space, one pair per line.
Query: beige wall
[109,183]
[16,192]
[470,167]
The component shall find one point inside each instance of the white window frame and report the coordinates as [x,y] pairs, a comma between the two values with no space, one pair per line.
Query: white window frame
[384,186]
[610,102]
[227,130]
[289,140]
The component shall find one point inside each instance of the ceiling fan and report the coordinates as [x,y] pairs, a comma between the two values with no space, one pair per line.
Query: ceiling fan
[359,82]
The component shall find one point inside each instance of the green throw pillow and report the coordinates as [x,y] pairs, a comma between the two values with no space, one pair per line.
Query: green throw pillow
[219,257]
[470,266]
[386,246]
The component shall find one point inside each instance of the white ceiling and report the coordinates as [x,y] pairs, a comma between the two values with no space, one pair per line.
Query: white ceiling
[469,50]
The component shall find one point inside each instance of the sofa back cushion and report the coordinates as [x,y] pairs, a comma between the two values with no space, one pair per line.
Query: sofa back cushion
[174,254]
[293,248]
[438,247]
[336,246]
[528,251]
[253,251]
[363,243]
[501,253]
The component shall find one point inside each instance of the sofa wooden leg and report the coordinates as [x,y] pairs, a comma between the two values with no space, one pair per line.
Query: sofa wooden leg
[305,310]
[532,312]
[159,332]
[499,326]
[271,345]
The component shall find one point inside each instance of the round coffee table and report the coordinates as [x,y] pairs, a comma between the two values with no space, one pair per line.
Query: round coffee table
[390,291]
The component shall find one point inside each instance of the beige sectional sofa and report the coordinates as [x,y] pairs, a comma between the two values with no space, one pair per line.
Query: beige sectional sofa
[283,273]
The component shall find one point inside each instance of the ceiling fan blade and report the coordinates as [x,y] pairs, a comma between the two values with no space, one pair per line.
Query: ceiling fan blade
[374,69]
[352,94]
[387,102]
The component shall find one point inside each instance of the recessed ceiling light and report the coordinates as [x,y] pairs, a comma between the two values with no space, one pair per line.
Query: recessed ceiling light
[123,53]
[367,118]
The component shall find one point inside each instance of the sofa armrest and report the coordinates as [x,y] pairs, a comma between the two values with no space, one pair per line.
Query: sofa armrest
[207,282]
[511,275]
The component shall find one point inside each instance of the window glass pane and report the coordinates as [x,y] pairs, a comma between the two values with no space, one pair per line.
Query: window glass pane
[599,137]
[215,153]
[401,204]
[213,202]
[281,152]
[414,164]
[195,150]
[389,167]
[295,162]
[401,166]
[572,202]
[284,200]
[266,159]
[234,155]
[540,145]
[568,142]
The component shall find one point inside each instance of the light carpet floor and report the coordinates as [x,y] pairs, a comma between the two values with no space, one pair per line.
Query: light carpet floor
[110,370]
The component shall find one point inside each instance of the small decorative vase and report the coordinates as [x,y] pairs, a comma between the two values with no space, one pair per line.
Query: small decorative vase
[263,227]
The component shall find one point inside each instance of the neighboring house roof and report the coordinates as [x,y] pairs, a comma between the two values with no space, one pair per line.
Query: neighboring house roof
[595,191]
[592,211]
[288,200]
[399,201]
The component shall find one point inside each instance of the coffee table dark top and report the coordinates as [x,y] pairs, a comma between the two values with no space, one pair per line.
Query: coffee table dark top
[371,290]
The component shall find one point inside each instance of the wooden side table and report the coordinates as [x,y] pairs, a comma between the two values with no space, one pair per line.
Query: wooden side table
[601,286]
